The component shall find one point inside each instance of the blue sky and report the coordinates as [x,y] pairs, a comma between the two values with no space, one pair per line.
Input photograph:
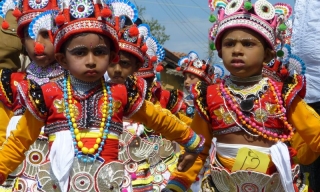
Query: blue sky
[186,22]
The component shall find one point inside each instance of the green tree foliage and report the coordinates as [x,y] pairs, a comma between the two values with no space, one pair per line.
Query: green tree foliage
[157,30]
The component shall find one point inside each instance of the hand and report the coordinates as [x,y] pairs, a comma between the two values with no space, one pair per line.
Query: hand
[186,161]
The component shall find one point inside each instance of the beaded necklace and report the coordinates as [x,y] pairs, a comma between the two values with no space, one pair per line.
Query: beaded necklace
[84,154]
[246,121]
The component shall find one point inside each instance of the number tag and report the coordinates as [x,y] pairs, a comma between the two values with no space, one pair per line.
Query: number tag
[251,160]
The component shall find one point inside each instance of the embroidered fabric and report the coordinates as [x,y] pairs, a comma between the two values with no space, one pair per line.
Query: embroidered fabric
[50,71]
[83,87]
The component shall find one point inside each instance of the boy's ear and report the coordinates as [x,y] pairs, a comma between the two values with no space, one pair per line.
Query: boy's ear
[269,55]
[61,59]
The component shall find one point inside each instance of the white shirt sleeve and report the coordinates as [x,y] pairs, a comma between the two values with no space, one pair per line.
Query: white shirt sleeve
[305,43]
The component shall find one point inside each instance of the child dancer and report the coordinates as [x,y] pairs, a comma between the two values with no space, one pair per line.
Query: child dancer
[83,114]
[194,70]
[249,115]
[42,69]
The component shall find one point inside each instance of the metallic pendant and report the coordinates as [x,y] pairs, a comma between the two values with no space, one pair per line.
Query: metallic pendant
[247,104]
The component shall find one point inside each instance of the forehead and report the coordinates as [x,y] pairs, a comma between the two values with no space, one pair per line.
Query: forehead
[89,39]
[242,33]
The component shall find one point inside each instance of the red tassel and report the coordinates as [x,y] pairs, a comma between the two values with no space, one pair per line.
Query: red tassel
[276,65]
[60,19]
[153,59]
[16,13]
[178,68]
[133,31]
[144,48]
[159,68]
[186,61]
[106,12]
[38,48]
[5,25]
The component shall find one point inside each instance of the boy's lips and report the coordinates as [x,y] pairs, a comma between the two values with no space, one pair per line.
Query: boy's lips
[237,63]
[91,72]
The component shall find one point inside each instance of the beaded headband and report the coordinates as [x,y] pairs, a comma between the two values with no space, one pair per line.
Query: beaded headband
[130,38]
[85,16]
[155,54]
[192,64]
[261,17]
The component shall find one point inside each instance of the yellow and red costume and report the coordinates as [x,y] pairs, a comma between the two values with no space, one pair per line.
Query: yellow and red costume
[205,72]
[148,157]
[83,120]
[23,178]
[273,115]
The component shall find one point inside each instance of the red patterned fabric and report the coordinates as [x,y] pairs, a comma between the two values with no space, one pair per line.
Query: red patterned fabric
[8,89]
[210,105]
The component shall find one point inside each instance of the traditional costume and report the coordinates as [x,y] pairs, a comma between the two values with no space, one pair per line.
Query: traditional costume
[268,109]
[208,74]
[35,17]
[148,157]
[83,120]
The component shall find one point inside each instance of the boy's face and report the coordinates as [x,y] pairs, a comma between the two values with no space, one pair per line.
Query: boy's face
[190,79]
[119,71]
[87,57]
[243,52]
[47,57]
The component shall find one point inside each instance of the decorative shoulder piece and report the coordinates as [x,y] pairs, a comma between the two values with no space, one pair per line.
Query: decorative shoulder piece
[32,98]
[136,91]
[6,94]
[261,17]
[192,64]
[199,92]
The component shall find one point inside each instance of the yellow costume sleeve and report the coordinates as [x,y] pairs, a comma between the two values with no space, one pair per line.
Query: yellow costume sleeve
[5,116]
[307,124]
[187,120]
[181,181]
[164,122]
[305,155]
[13,149]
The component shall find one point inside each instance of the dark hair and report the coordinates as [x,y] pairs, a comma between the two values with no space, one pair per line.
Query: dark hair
[63,48]
[25,30]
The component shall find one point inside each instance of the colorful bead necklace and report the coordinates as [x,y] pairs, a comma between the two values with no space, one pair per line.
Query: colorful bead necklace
[246,121]
[84,154]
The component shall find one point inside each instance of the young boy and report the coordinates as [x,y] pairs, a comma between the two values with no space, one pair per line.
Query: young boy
[83,114]
[42,69]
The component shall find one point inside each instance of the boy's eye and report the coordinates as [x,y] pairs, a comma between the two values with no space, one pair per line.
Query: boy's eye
[124,63]
[44,34]
[79,53]
[100,51]
[228,44]
[248,44]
